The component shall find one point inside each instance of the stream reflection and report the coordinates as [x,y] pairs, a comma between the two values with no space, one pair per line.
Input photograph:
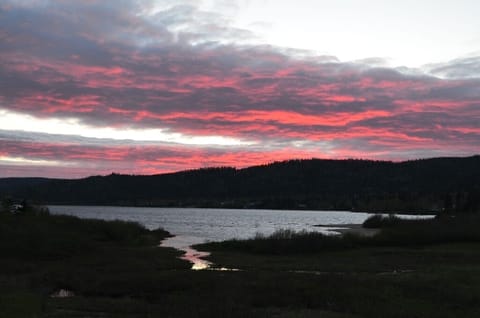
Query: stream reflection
[184,243]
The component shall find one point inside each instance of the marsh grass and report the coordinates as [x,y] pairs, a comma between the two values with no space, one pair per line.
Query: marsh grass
[395,232]
[424,268]
[43,253]
[116,270]
[43,236]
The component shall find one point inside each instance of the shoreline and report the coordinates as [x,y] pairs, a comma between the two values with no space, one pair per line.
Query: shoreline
[355,229]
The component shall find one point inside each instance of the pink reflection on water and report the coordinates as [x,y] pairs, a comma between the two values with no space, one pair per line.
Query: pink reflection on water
[184,243]
[195,257]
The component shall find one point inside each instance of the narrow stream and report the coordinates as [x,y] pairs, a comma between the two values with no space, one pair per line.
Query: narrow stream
[184,243]
[196,258]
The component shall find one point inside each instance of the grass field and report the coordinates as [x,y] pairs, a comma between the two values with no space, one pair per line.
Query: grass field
[115,269]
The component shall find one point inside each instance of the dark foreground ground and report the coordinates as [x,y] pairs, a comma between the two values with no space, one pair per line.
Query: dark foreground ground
[115,269]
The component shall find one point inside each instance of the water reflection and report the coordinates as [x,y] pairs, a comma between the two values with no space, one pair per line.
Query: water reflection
[184,243]
[195,257]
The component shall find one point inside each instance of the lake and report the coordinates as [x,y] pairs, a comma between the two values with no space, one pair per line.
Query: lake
[192,225]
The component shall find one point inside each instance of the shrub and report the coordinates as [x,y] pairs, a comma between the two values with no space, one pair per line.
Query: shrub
[380,221]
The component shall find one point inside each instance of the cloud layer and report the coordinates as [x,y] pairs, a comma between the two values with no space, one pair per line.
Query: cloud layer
[153,65]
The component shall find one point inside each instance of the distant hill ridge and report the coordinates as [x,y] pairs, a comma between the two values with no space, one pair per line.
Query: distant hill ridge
[438,184]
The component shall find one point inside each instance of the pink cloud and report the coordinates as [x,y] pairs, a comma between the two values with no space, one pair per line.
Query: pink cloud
[119,69]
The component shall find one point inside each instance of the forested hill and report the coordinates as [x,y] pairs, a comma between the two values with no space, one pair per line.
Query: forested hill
[451,184]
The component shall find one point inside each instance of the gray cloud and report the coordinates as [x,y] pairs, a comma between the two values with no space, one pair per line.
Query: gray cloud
[463,68]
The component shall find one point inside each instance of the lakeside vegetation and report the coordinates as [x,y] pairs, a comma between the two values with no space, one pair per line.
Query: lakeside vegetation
[116,269]
[430,185]
[395,232]
[97,260]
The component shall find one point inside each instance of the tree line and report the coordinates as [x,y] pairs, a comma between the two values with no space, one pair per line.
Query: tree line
[426,185]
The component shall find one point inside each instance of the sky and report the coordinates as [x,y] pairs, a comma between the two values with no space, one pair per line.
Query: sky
[146,87]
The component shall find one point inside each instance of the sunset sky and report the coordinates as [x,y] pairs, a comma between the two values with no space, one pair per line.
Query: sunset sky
[143,87]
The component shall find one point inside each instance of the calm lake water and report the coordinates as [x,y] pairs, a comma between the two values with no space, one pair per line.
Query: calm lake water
[202,225]
[193,226]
